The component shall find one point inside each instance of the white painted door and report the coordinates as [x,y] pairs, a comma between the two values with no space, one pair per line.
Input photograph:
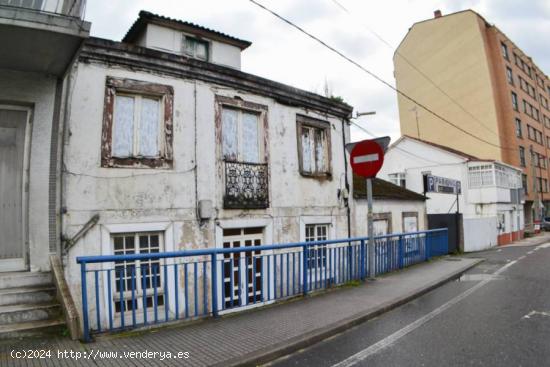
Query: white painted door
[12,151]
[242,271]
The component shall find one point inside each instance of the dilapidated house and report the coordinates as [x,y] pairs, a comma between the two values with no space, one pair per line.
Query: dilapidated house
[168,146]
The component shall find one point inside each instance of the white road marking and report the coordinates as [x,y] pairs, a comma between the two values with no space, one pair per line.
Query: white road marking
[532,313]
[365,158]
[529,252]
[521,257]
[546,245]
[391,339]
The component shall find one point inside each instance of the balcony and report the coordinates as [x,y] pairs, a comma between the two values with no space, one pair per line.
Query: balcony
[246,186]
[41,35]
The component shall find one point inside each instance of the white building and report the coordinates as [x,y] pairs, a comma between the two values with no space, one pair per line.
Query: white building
[395,208]
[174,148]
[491,199]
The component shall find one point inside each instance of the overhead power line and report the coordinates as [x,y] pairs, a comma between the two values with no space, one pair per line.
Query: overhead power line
[481,123]
[361,67]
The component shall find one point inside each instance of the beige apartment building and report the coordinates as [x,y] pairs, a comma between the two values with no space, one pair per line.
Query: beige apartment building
[469,73]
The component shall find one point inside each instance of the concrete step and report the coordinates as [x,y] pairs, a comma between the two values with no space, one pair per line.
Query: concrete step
[33,328]
[27,295]
[17,279]
[14,314]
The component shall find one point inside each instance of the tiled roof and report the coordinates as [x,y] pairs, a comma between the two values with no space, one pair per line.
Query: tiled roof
[382,189]
[147,17]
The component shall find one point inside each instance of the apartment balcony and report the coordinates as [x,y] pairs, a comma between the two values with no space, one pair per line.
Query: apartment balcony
[246,186]
[41,35]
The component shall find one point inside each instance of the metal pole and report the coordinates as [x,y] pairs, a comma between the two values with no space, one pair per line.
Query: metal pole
[372,273]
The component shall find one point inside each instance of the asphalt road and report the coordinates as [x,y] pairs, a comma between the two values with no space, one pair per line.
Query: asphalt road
[497,314]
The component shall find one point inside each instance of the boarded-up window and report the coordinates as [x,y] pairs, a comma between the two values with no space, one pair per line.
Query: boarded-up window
[313,146]
[137,124]
[241,136]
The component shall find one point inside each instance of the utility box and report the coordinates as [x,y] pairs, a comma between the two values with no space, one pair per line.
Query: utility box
[205,209]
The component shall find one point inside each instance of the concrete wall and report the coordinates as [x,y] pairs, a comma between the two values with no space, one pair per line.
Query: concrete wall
[37,92]
[450,51]
[395,208]
[171,40]
[145,199]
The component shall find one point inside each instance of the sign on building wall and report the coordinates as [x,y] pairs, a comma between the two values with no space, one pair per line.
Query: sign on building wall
[442,185]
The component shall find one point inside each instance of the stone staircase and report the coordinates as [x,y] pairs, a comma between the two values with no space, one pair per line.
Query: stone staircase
[28,305]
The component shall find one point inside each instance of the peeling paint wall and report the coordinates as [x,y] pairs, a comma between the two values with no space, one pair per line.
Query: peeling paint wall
[145,198]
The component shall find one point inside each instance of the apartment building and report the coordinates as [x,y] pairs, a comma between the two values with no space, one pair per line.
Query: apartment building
[468,72]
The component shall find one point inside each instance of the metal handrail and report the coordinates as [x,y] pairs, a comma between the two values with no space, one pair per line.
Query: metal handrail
[318,267]
[215,251]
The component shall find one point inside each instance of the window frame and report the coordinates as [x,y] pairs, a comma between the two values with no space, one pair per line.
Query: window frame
[313,123]
[243,106]
[515,104]
[196,41]
[509,75]
[518,128]
[504,50]
[137,88]
[522,160]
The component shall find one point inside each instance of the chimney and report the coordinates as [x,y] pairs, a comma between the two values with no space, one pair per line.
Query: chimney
[437,13]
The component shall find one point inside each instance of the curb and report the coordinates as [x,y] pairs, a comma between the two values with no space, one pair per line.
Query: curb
[287,347]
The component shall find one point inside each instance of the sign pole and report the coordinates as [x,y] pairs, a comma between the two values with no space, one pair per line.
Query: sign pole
[370,227]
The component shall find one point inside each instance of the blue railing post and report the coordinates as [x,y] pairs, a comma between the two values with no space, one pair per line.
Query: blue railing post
[214,281]
[304,266]
[428,245]
[363,272]
[400,251]
[84,301]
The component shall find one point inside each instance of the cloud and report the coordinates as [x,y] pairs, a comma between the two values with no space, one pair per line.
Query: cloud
[281,53]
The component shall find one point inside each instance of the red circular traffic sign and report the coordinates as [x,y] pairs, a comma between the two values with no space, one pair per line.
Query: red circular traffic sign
[367,158]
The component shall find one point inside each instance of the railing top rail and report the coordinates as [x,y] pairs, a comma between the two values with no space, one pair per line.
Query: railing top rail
[215,251]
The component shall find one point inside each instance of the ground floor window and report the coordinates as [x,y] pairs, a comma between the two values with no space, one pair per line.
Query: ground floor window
[134,279]
[317,255]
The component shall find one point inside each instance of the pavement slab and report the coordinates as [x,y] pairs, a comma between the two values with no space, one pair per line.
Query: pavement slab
[250,337]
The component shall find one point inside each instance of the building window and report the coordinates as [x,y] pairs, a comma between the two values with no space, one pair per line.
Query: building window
[137,124]
[242,140]
[313,146]
[519,133]
[479,176]
[522,156]
[542,184]
[317,254]
[241,136]
[524,183]
[509,76]
[514,101]
[145,275]
[543,101]
[547,121]
[398,179]
[504,49]
[195,48]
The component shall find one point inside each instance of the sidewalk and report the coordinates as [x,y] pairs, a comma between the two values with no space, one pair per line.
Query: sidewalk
[253,337]
[538,239]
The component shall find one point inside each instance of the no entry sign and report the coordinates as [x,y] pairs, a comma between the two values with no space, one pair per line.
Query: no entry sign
[367,158]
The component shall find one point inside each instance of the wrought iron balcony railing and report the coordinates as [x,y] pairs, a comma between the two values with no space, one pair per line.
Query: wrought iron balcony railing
[246,186]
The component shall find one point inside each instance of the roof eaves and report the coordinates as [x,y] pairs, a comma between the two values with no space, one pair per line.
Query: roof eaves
[146,17]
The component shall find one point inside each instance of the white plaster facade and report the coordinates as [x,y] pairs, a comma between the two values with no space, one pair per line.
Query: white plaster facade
[488,208]
[144,199]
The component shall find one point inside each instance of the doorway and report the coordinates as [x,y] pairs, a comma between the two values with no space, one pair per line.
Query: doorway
[13,129]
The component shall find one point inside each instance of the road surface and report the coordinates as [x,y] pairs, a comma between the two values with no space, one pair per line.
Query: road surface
[497,314]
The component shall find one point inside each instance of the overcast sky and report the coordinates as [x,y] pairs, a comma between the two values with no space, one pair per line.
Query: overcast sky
[281,53]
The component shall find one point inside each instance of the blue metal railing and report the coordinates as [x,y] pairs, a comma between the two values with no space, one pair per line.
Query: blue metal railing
[128,291]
